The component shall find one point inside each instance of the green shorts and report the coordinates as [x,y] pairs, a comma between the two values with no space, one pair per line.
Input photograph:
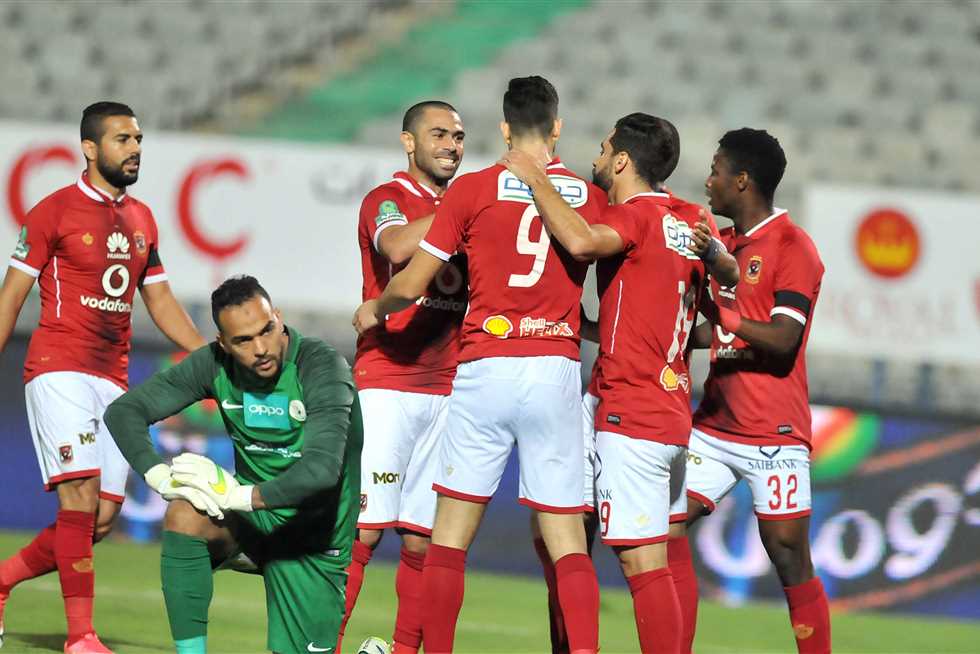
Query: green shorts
[304,581]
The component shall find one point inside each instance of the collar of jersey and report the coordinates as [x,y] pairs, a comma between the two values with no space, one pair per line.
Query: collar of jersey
[659,198]
[94,193]
[414,186]
[555,163]
[761,227]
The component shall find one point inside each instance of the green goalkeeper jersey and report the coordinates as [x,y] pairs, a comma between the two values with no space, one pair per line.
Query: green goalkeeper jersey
[297,436]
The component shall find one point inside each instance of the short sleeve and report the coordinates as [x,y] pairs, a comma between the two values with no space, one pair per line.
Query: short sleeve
[453,215]
[38,238]
[154,272]
[798,277]
[621,219]
[380,210]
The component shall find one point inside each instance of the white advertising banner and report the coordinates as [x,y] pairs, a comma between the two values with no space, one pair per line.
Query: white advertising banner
[284,212]
[903,273]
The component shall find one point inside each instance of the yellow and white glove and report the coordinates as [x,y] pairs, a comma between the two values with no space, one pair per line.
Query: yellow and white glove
[218,484]
[160,479]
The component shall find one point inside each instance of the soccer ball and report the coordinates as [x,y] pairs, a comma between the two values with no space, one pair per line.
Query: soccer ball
[374,645]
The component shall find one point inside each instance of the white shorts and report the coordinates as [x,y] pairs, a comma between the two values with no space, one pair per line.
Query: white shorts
[400,456]
[640,489]
[65,410]
[589,404]
[779,475]
[533,402]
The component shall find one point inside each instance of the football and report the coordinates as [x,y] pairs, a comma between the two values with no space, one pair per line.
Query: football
[374,645]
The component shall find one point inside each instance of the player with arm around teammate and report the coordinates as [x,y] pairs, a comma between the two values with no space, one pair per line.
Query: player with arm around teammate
[519,345]
[90,246]
[649,280]
[290,408]
[754,419]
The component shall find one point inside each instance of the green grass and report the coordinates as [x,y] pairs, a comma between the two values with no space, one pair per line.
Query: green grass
[500,614]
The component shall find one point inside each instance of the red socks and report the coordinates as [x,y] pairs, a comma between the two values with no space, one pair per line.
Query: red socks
[559,639]
[408,586]
[442,587]
[681,568]
[809,614]
[657,611]
[360,556]
[34,560]
[73,555]
[578,594]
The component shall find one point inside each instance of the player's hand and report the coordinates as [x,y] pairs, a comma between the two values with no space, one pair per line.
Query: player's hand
[218,484]
[724,312]
[160,478]
[525,167]
[366,317]
[703,243]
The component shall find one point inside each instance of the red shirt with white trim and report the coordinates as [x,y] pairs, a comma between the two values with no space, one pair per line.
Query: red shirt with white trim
[648,300]
[751,396]
[525,288]
[414,350]
[89,253]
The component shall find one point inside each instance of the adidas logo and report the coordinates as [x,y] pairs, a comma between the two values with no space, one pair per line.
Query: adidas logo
[118,246]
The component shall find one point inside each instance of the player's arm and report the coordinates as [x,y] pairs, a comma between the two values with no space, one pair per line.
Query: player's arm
[701,336]
[328,392]
[781,335]
[170,317]
[162,395]
[16,287]
[398,243]
[583,241]
[720,263]
[401,292]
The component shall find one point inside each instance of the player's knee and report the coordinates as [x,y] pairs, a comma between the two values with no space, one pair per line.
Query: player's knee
[79,494]
[790,556]
[415,543]
[103,527]
[183,518]
[370,537]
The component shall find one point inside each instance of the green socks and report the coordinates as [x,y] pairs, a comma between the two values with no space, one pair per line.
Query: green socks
[185,569]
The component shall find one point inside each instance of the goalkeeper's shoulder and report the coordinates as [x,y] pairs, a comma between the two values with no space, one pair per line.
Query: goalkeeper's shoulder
[317,359]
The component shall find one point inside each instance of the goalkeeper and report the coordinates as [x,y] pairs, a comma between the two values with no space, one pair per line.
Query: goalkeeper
[289,405]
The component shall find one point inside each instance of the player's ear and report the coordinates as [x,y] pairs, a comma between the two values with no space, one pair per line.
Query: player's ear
[408,142]
[622,161]
[90,149]
[556,129]
[742,180]
[278,315]
[505,131]
[221,342]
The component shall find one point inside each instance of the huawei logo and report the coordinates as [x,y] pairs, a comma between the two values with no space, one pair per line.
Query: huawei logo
[118,246]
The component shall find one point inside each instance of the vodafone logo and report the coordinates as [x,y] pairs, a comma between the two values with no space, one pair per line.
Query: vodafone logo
[887,243]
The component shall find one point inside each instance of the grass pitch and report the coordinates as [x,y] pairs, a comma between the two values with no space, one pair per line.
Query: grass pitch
[500,614]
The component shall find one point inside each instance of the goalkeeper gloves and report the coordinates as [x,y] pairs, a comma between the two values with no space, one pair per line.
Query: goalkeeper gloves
[218,484]
[160,480]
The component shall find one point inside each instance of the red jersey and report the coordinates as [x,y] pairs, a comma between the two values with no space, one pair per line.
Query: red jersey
[413,350]
[89,253]
[524,289]
[751,396]
[648,297]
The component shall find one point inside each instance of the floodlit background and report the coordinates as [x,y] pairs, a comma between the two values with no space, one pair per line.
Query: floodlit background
[266,123]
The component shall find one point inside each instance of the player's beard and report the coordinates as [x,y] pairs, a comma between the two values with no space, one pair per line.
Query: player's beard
[278,361]
[427,164]
[602,178]
[114,173]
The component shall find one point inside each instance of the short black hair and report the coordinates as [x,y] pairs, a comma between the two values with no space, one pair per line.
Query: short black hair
[234,292]
[652,143]
[759,154]
[530,105]
[93,116]
[414,113]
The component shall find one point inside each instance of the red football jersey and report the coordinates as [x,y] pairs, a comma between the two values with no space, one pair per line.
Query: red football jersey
[414,350]
[750,396]
[89,253]
[524,289]
[648,298]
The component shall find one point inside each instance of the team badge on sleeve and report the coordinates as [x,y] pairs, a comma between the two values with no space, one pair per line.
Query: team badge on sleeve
[388,212]
[753,270]
[22,249]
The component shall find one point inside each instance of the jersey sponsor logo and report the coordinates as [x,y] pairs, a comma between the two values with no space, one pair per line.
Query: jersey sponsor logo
[385,477]
[693,458]
[139,240]
[671,381]
[388,212]
[441,304]
[106,304]
[64,451]
[572,189]
[22,249]
[228,406]
[86,438]
[542,327]
[449,279]
[118,246]
[677,237]
[754,269]
[110,286]
[759,464]
[732,353]
[267,411]
[498,326]
[284,452]
[770,451]
[297,411]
